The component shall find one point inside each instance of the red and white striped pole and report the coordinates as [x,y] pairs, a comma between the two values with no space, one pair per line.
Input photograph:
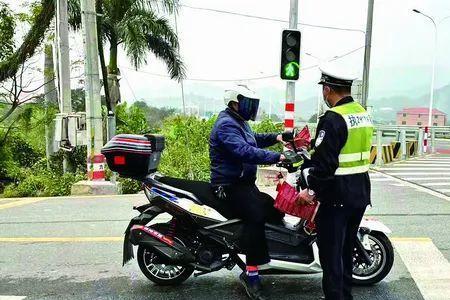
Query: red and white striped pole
[425,140]
[96,167]
[289,116]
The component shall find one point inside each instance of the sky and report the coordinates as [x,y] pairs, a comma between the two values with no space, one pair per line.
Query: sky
[217,46]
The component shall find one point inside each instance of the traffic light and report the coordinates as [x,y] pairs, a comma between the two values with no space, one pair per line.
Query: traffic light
[290,54]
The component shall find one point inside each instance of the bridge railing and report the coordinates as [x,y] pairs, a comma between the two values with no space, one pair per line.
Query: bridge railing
[404,135]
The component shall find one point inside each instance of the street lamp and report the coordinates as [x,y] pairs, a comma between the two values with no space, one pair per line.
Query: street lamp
[430,108]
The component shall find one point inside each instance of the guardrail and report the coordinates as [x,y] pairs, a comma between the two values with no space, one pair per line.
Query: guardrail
[408,140]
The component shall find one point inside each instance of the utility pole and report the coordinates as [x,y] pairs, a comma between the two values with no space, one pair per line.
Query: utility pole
[96,161]
[368,46]
[50,95]
[65,97]
[290,85]
[92,85]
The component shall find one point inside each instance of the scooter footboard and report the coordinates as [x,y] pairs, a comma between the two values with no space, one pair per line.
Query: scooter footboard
[171,251]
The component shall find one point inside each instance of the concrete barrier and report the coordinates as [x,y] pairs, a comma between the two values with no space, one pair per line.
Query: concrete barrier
[411,148]
[387,154]
[396,148]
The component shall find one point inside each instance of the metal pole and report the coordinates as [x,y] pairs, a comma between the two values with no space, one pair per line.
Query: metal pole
[430,109]
[51,99]
[63,57]
[379,161]
[290,85]
[403,144]
[368,46]
[433,140]
[92,85]
[420,142]
[65,97]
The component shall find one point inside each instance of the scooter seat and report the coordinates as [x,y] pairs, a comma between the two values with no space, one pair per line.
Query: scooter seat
[200,189]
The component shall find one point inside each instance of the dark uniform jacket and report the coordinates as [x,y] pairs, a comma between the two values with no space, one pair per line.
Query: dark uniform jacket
[347,190]
[235,151]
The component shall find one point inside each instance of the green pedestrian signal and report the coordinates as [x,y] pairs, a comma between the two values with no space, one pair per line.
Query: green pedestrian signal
[290,54]
[291,70]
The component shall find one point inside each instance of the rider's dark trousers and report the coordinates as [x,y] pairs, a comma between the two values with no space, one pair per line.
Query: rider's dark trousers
[255,209]
[337,229]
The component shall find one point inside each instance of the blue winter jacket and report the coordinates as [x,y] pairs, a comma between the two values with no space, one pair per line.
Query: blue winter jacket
[235,151]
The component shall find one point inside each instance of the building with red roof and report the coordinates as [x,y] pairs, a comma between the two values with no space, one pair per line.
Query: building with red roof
[419,116]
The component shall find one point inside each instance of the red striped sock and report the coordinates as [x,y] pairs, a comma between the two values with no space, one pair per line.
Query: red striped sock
[252,274]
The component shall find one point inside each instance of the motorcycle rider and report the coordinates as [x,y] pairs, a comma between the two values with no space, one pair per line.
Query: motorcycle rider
[235,151]
[338,174]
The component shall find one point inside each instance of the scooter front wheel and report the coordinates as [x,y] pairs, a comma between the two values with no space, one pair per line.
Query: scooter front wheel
[381,254]
[158,272]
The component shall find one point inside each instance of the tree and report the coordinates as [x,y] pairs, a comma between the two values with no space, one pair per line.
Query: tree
[154,115]
[40,18]
[7,27]
[135,25]
[20,89]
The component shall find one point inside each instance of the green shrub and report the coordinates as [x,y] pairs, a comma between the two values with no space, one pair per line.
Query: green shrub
[130,186]
[43,184]
[267,126]
[187,152]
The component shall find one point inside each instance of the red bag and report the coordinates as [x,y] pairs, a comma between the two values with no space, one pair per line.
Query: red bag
[285,202]
[303,138]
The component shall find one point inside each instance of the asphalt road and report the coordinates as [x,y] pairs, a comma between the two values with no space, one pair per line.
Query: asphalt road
[70,248]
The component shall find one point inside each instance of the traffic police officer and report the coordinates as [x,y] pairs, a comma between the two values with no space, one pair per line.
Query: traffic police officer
[338,174]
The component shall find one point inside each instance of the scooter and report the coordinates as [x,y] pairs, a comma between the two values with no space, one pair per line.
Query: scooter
[202,237]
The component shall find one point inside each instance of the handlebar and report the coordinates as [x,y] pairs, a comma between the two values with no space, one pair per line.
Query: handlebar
[293,159]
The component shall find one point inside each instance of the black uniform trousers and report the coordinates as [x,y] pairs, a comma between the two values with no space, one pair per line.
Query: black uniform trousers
[337,228]
[255,209]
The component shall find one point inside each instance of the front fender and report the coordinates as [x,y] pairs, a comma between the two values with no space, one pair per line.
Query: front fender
[374,225]
[145,217]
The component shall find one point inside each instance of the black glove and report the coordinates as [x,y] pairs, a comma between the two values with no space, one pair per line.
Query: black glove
[287,136]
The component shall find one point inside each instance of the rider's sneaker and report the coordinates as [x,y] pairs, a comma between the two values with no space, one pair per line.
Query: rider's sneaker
[254,290]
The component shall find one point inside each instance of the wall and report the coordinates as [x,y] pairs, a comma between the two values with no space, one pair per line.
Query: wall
[414,119]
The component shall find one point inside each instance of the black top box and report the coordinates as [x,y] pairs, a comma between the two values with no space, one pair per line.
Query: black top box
[134,156]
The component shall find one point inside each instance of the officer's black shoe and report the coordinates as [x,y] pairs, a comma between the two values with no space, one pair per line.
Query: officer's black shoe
[254,291]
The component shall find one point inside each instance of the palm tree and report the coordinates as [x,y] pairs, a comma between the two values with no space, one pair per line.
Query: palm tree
[135,27]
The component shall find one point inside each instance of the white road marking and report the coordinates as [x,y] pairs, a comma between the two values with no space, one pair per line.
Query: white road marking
[398,184]
[380,179]
[444,190]
[414,169]
[427,178]
[438,183]
[417,187]
[12,297]
[434,159]
[422,164]
[427,266]
[419,173]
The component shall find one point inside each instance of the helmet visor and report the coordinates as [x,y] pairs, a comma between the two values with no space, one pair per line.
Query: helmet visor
[248,107]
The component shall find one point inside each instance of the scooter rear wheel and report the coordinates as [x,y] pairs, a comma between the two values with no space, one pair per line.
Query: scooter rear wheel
[158,272]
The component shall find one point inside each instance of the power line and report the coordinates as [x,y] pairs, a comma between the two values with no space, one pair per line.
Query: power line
[131,89]
[243,79]
[270,19]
